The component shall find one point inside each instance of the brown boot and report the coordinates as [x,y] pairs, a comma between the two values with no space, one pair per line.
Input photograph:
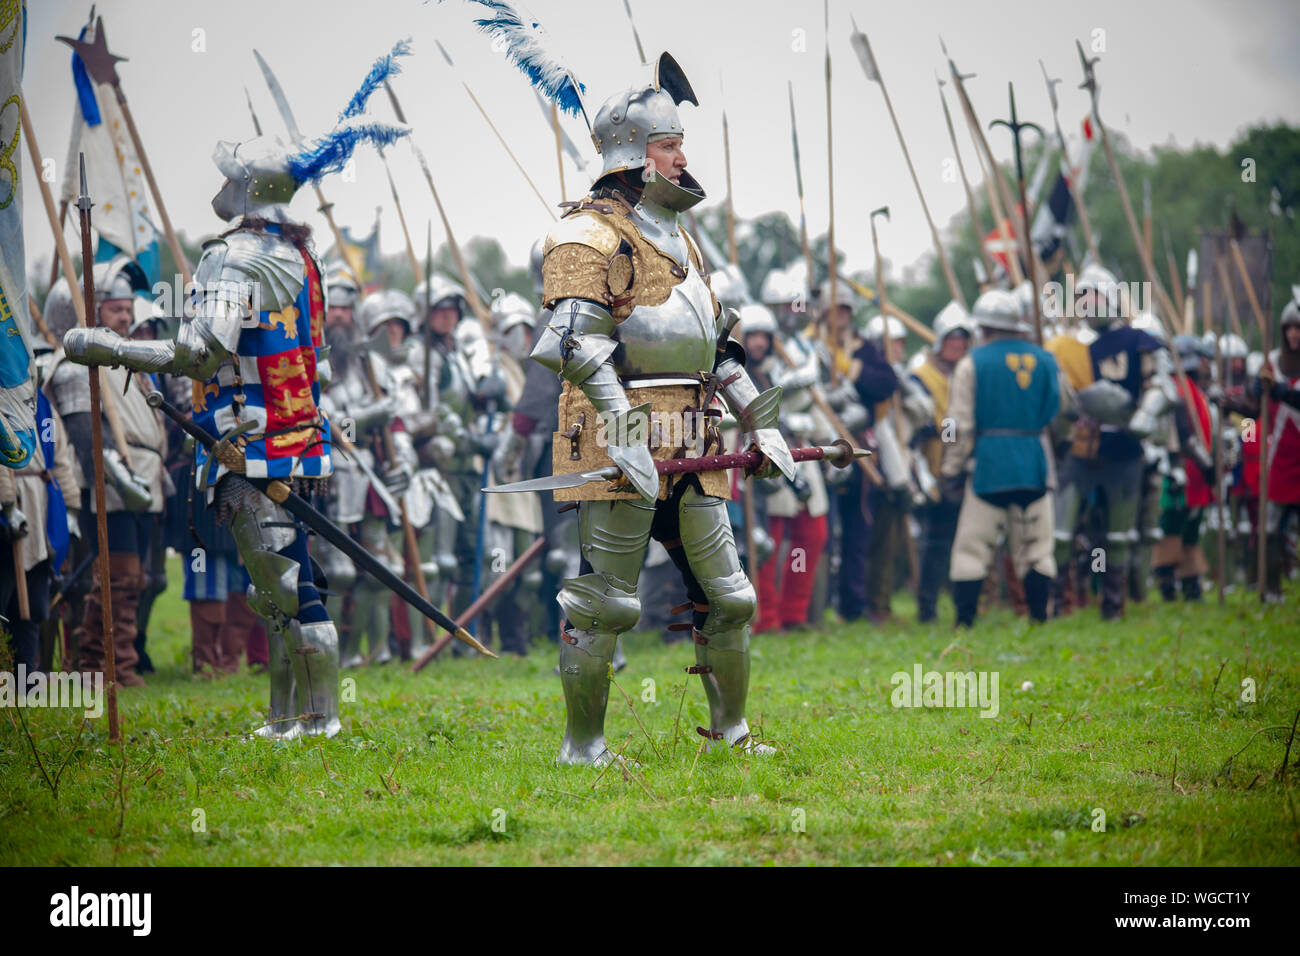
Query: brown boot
[127,581]
[240,621]
[206,618]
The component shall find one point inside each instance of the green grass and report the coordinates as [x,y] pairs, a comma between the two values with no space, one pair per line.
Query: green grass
[425,760]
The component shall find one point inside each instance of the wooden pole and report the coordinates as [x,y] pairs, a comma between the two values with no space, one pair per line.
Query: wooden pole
[490,594]
[471,293]
[976,225]
[805,245]
[1180,300]
[173,243]
[559,149]
[101,497]
[1072,171]
[832,310]
[510,152]
[1221,542]
[79,301]
[993,184]
[1266,340]
[732,249]
[401,217]
[953,286]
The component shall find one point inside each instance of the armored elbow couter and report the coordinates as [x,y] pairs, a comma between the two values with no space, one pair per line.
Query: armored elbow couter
[578,341]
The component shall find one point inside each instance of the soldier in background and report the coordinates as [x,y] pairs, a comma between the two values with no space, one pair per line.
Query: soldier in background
[954,333]
[38,508]
[1003,397]
[134,475]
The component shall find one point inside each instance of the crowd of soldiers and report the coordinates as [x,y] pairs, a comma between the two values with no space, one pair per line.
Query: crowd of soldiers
[429,407]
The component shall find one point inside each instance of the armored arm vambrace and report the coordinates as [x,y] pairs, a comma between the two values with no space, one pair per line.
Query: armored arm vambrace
[578,348]
[1159,396]
[758,413]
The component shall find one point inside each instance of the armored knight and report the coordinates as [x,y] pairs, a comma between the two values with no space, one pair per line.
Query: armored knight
[454,363]
[641,345]
[253,343]
[345,401]
[1124,389]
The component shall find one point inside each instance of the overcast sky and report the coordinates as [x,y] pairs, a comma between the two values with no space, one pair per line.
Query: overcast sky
[1172,72]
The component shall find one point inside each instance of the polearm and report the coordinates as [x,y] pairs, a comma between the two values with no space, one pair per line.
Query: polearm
[102,67]
[500,139]
[471,293]
[1072,173]
[326,209]
[713,254]
[976,225]
[1171,263]
[1266,340]
[64,256]
[559,148]
[832,312]
[401,217]
[640,50]
[732,249]
[1016,126]
[839,453]
[804,244]
[483,601]
[747,506]
[97,446]
[1166,304]
[280,492]
[1221,544]
[862,46]
[993,184]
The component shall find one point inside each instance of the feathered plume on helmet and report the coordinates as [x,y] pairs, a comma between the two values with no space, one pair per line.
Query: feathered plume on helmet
[262,172]
[528,47]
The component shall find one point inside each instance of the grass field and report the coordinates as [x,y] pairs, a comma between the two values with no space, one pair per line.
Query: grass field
[1142,720]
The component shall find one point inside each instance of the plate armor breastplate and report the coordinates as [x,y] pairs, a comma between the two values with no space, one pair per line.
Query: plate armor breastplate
[679,335]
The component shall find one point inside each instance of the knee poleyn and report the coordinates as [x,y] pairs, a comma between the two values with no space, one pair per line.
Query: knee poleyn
[595,602]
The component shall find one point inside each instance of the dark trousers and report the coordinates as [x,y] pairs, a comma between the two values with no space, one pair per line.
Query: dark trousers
[938,528]
[24,636]
[855,544]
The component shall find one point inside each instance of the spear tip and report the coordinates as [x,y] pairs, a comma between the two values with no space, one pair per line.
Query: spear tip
[83,201]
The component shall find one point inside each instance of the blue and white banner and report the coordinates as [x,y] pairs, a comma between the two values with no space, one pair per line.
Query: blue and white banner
[113,173]
[17,384]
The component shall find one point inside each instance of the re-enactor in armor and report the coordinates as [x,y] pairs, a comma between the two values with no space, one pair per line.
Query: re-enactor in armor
[638,338]
[252,341]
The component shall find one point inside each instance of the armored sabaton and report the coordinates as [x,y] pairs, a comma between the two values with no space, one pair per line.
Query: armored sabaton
[256,384]
[640,343]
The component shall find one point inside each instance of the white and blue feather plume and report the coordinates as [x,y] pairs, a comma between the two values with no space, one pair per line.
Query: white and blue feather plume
[385,67]
[526,45]
[331,152]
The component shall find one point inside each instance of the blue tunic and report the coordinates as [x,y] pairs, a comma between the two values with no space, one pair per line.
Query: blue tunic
[1016,396]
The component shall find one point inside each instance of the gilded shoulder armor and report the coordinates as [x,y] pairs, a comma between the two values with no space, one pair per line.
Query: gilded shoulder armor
[585,229]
